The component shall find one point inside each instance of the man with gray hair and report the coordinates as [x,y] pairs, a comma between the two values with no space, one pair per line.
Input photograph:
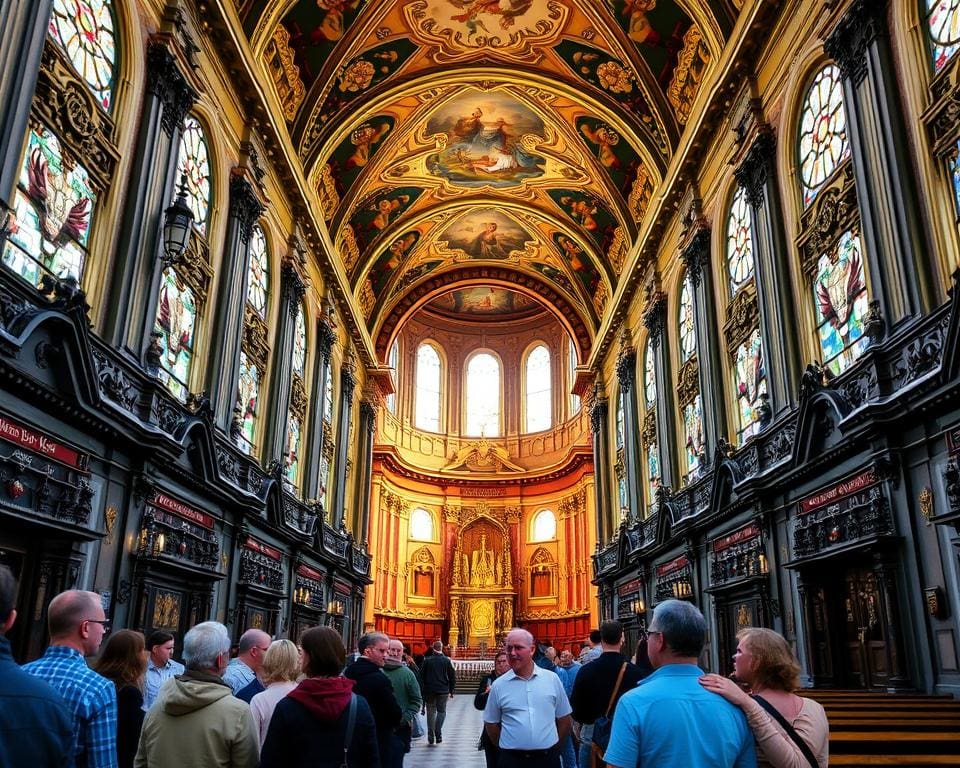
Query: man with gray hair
[671,720]
[243,670]
[196,719]
[376,688]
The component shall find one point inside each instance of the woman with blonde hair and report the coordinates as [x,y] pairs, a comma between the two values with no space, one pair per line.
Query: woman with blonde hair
[279,673]
[791,731]
[123,661]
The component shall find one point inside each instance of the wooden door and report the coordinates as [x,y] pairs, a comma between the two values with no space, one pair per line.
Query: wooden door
[864,629]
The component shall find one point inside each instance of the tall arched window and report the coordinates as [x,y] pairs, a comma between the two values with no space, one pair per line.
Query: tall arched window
[421,525]
[688,326]
[193,162]
[739,242]
[176,320]
[691,404]
[943,25]
[298,399]
[254,350]
[394,361]
[259,273]
[86,32]
[426,409]
[650,443]
[620,464]
[544,526]
[823,132]
[483,396]
[539,390]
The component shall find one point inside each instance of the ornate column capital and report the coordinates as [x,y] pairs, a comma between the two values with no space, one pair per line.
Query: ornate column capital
[166,81]
[626,368]
[598,414]
[292,288]
[696,254]
[753,172]
[348,374]
[245,205]
[848,42]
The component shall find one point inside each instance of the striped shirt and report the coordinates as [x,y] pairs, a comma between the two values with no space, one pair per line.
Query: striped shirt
[91,700]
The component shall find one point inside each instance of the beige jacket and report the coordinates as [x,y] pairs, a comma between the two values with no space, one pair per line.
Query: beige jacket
[197,723]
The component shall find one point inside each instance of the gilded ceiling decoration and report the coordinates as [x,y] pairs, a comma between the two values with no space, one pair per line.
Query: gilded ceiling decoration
[443,133]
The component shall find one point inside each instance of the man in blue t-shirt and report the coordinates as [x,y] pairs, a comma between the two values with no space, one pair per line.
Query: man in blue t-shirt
[670,719]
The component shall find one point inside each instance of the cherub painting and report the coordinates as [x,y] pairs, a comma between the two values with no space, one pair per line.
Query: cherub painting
[377,214]
[476,13]
[390,260]
[355,152]
[578,261]
[587,212]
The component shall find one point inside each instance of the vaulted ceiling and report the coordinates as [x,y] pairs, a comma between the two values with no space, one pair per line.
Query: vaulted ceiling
[460,144]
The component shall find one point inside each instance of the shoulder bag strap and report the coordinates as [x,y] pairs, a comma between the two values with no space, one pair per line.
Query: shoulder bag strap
[788,729]
[613,695]
[348,735]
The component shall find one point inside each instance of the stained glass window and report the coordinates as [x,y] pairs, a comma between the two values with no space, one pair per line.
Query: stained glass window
[427,407]
[943,21]
[544,526]
[620,420]
[194,163]
[649,377]
[257,275]
[328,395]
[85,30]
[823,132]
[574,399]
[176,321]
[739,242]
[751,382]
[325,488]
[292,458]
[622,492]
[955,177]
[421,525]
[840,293]
[693,436]
[299,344]
[249,386]
[53,204]
[483,396]
[653,471]
[539,394]
[394,361]
[688,327]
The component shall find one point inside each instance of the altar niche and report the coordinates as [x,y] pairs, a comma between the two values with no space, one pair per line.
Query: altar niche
[481,592]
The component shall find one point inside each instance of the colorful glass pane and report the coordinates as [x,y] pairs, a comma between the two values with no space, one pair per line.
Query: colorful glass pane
[427,407]
[299,344]
[85,31]
[328,396]
[693,436]
[176,321]
[622,490]
[539,383]
[483,396]
[325,487]
[739,242]
[249,392]
[688,327]
[653,471]
[292,457]
[620,421]
[649,377]
[194,163]
[823,132]
[257,274]
[840,294]
[53,208]
[751,382]
[955,176]
[943,22]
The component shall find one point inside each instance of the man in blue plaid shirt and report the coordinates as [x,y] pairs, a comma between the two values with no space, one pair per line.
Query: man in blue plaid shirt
[77,623]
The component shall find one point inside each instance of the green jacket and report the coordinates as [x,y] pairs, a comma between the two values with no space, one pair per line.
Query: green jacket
[405,690]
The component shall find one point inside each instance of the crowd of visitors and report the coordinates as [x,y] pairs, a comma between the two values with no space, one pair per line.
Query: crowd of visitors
[278,704]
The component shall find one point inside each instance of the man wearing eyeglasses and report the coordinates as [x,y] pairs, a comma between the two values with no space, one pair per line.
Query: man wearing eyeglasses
[376,688]
[242,670]
[77,624]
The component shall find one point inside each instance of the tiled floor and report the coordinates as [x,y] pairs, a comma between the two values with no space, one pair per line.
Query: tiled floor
[460,733]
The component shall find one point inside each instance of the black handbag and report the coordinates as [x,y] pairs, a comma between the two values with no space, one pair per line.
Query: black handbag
[788,729]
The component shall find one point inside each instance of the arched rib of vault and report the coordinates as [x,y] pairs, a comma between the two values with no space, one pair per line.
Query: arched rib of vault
[507,277]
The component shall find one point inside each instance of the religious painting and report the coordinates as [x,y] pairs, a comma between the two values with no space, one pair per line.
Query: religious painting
[616,79]
[557,276]
[176,320]
[166,610]
[693,437]
[486,234]
[657,30]
[579,262]
[841,300]
[377,213]
[390,260]
[483,147]
[613,151]
[315,29]
[589,213]
[248,396]
[751,382]
[357,150]
[483,300]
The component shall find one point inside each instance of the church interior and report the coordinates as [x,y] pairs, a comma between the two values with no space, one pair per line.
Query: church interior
[440,317]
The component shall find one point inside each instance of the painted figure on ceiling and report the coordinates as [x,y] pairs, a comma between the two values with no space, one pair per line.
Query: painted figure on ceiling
[364,138]
[506,10]
[386,208]
[486,245]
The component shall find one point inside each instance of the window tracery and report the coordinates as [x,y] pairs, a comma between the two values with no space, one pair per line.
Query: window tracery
[688,327]
[539,390]
[85,31]
[823,143]
[649,432]
[254,346]
[688,385]
[739,242]
[483,396]
[943,26]
[193,162]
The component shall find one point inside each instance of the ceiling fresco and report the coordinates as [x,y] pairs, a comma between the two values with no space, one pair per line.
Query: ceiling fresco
[443,133]
[487,302]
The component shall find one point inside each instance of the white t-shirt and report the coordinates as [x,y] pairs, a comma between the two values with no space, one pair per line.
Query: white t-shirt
[527,709]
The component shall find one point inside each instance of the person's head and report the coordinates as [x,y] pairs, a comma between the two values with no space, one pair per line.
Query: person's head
[206,648]
[500,663]
[438,646]
[253,645]
[551,654]
[611,635]
[676,634]
[160,645]
[123,659]
[395,651]
[566,658]
[373,646]
[764,660]
[281,663]
[76,619]
[323,652]
[520,648]
[8,599]
[595,637]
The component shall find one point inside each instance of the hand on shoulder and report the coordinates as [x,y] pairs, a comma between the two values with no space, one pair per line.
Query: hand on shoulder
[725,687]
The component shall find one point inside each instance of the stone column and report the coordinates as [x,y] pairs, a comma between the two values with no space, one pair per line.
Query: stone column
[314,427]
[348,383]
[696,256]
[23,31]
[627,376]
[899,277]
[601,463]
[654,318]
[135,276]
[757,175]
[223,372]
